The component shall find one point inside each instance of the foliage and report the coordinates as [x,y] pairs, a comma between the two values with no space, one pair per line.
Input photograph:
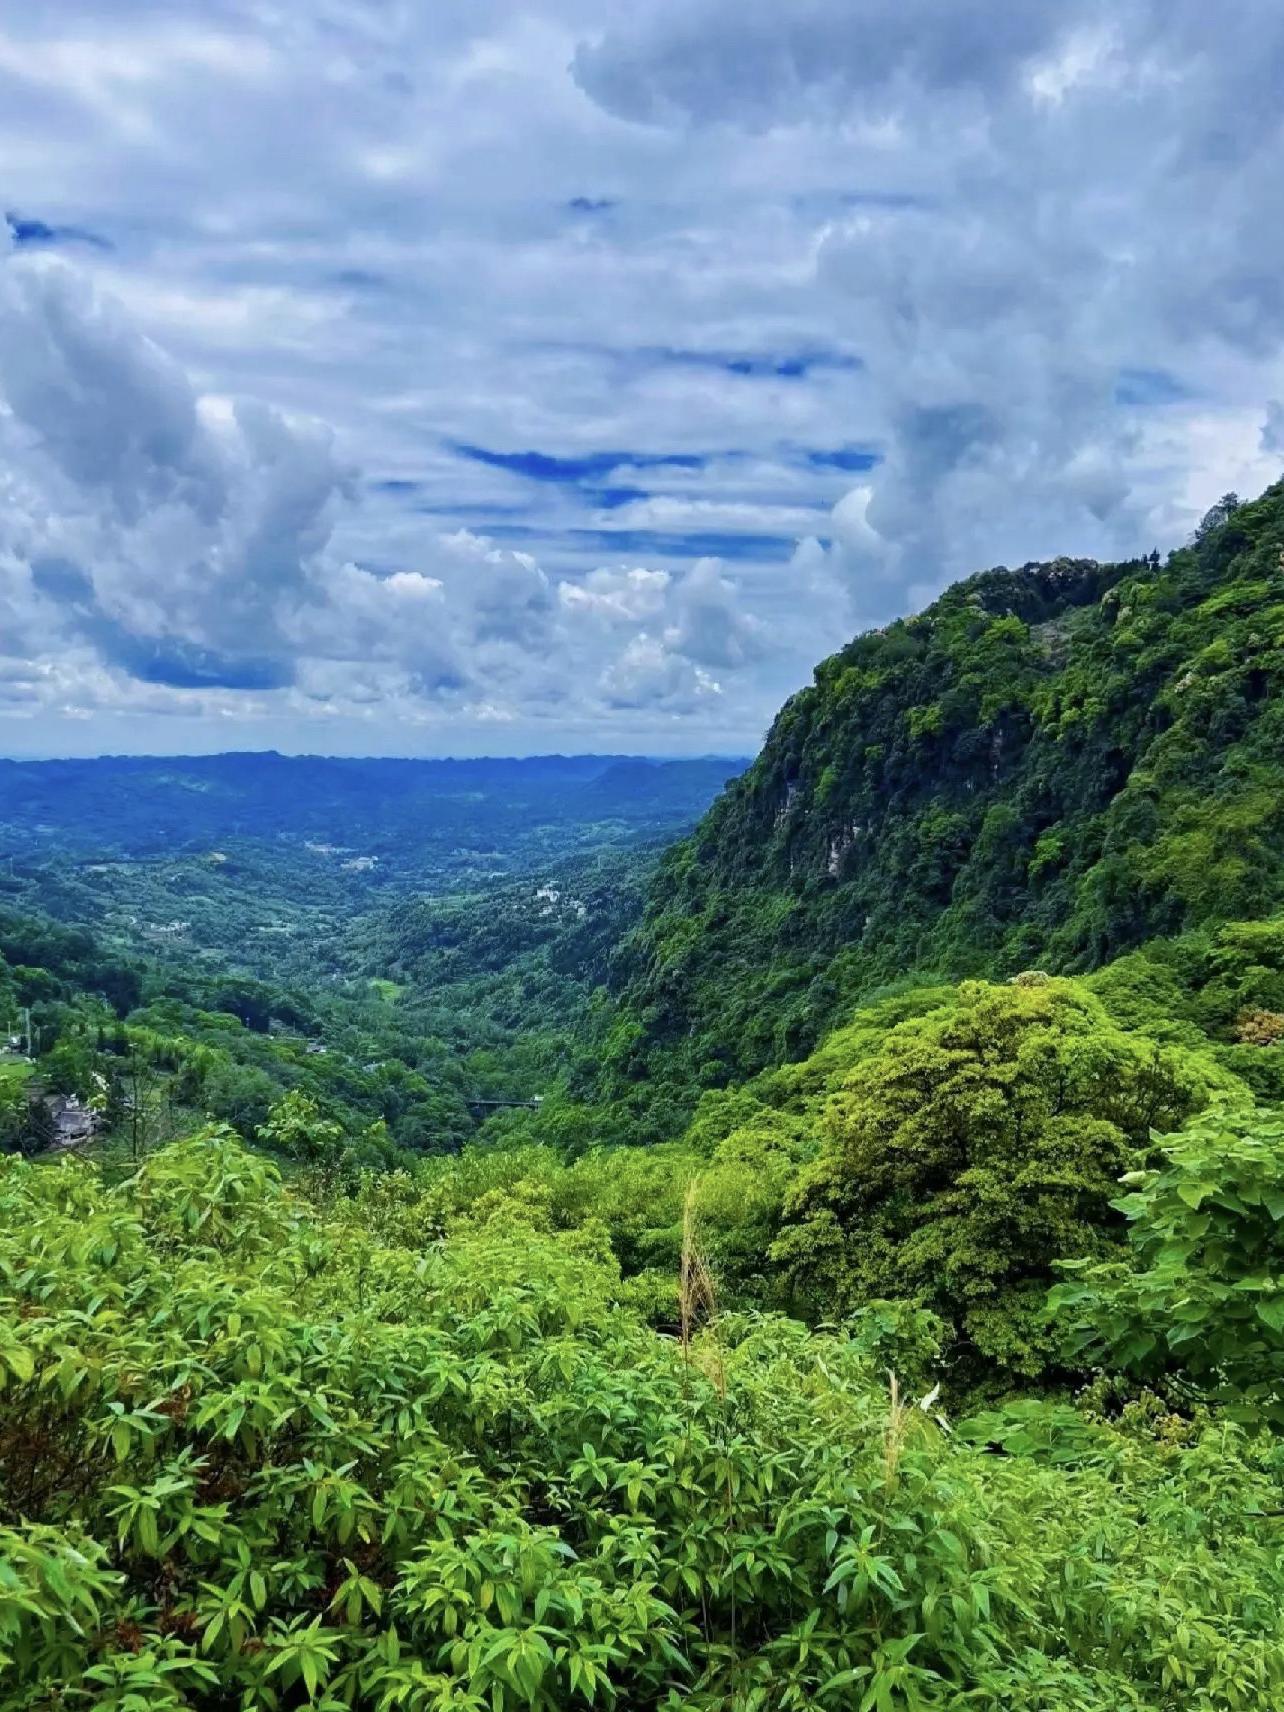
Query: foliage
[432,820]
[254,1454]
[974,1147]
[361,1398]
[393,939]
[1202,1295]
[1046,767]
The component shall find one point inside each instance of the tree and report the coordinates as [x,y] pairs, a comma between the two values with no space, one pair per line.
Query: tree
[138,1104]
[72,1066]
[297,1126]
[240,1094]
[979,1143]
[14,1120]
[1217,515]
[37,1132]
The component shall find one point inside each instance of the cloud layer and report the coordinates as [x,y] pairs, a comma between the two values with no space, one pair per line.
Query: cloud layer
[574,376]
[163,547]
[1071,320]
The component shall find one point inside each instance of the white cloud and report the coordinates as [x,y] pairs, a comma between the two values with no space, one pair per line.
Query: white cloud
[506,594]
[437,425]
[1085,245]
[672,512]
[617,596]
[101,401]
[171,538]
[648,674]
[181,547]
[709,626]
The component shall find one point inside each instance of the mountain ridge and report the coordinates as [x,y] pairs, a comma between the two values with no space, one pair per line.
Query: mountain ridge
[1052,764]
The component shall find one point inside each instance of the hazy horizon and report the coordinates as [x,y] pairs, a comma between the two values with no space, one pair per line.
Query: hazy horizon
[324,755]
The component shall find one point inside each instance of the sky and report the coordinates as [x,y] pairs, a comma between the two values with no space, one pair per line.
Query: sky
[485,377]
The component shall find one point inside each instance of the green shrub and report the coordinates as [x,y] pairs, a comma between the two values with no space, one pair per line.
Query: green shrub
[258,1453]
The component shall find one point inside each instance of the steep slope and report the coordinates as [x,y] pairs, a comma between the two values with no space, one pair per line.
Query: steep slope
[1047,766]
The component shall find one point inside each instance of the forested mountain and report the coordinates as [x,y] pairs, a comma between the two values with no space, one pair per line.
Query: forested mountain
[1046,767]
[402,942]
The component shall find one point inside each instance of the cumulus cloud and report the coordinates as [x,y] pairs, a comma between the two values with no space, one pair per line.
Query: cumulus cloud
[649,674]
[170,536]
[1079,264]
[180,542]
[709,626]
[106,406]
[372,623]
[617,596]
[505,594]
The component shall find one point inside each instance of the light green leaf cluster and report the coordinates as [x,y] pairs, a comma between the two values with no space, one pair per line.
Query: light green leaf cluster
[260,1453]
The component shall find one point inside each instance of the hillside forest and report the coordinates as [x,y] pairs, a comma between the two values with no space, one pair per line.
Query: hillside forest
[609,1233]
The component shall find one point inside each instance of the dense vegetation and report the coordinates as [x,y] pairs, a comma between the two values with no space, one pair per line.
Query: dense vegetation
[262,862]
[262,1452]
[399,941]
[1046,767]
[420,817]
[931,1356]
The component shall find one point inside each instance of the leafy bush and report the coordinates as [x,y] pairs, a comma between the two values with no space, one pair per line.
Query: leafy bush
[1201,1295]
[263,1454]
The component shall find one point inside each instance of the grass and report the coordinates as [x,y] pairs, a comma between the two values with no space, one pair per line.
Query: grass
[14,1069]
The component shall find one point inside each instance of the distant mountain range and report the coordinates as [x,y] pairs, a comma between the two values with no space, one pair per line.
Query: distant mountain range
[390,809]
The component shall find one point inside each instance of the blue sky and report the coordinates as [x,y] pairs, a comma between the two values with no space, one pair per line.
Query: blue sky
[504,378]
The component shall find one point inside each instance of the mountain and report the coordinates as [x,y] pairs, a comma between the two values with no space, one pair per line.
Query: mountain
[1047,766]
[266,860]
[404,941]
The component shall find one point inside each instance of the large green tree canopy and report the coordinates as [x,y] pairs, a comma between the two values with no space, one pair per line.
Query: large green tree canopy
[976,1145]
